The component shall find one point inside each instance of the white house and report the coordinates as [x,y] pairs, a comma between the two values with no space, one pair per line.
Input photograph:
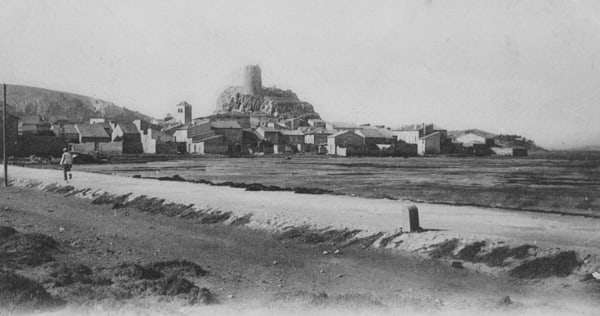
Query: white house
[408,135]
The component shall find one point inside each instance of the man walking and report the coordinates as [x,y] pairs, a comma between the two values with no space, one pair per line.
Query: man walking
[66,161]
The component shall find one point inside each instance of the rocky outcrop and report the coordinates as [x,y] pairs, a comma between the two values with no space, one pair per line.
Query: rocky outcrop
[253,98]
[272,101]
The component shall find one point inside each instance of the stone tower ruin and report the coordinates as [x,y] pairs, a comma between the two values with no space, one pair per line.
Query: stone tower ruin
[252,80]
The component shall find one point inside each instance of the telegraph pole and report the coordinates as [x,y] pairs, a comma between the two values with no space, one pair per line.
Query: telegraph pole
[4,139]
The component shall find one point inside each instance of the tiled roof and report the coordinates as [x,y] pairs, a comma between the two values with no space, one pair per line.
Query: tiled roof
[92,130]
[292,132]
[31,119]
[269,129]
[320,130]
[161,136]
[225,124]
[373,133]
[129,128]
[340,133]
[430,135]
[203,139]
[65,128]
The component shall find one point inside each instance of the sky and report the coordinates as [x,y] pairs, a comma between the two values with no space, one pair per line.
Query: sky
[524,67]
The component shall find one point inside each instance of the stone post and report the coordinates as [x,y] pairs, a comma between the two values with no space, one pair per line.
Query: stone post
[413,219]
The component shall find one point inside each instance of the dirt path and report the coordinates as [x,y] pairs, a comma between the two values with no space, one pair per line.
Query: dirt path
[250,271]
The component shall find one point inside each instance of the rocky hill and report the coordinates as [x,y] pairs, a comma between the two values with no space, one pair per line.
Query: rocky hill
[272,101]
[55,105]
[252,97]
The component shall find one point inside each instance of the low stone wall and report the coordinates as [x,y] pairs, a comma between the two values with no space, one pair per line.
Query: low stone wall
[83,148]
[111,148]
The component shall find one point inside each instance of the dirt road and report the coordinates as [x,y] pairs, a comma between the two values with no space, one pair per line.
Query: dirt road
[280,209]
[251,271]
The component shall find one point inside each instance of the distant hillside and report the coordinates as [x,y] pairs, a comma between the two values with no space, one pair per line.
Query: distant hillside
[501,140]
[517,141]
[586,148]
[55,105]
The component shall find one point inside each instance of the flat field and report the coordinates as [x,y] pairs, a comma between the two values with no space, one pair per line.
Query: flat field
[560,182]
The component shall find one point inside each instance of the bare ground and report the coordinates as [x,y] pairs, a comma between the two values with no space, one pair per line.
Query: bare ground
[550,183]
[252,270]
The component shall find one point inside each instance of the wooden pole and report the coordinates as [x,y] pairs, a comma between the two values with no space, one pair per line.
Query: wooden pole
[4,139]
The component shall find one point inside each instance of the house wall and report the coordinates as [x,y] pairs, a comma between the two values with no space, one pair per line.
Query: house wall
[148,144]
[348,139]
[316,123]
[430,145]
[166,148]
[501,151]
[232,135]
[309,139]
[133,147]
[345,139]
[410,137]
[273,137]
[181,135]
[211,146]
[160,137]
[320,139]
[375,140]
[341,151]
[200,129]
[293,139]
[467,138]
[192,147]
[94,139]
[215,149]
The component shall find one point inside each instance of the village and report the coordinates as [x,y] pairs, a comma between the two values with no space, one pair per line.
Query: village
[249,121]
[254,134]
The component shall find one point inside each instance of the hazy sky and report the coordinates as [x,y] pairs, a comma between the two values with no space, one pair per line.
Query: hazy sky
[526,67]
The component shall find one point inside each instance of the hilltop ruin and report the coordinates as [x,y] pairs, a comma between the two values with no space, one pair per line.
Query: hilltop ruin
[252,97]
